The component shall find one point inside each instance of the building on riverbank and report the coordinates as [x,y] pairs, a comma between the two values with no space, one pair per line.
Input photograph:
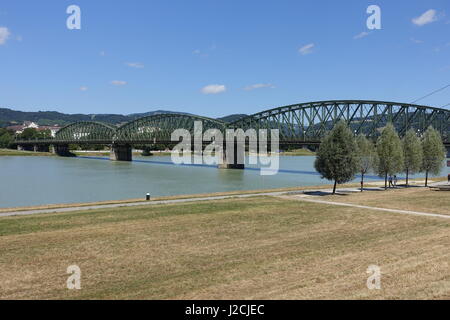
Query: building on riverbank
[18,129]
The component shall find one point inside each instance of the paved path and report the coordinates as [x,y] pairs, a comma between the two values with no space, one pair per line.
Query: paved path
[358,189]
[303,196]
[133,204]
[308,198]
[439,183]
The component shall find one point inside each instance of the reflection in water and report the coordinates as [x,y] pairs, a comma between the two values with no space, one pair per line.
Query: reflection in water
[46,180]
[230,176]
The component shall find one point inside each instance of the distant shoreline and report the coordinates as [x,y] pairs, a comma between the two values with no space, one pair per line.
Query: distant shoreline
[18,153]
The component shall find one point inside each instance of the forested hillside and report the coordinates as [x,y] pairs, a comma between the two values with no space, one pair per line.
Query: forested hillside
[46,118]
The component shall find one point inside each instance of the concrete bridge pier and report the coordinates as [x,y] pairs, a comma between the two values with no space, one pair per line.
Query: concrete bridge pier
[41,148]
[61,150]
[231,159]
[121,152]
[25,147]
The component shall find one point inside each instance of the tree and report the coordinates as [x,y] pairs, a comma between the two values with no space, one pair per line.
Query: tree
[337,155]
[390,153]
[32,133]
[433,153]
[29,133]
[367,156]
[44,134]
[6,136]
[412,153]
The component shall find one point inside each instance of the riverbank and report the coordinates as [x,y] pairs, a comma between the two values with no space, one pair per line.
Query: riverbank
[413,182]
[19,153]
[298,152]
[240,248]
[107,153]
[12,152]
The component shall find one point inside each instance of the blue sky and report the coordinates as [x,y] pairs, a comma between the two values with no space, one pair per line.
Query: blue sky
[215,58]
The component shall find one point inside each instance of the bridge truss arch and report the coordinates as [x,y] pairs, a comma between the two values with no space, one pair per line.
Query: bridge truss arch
[302,123]
[312,120]
[159,127]
[86,132]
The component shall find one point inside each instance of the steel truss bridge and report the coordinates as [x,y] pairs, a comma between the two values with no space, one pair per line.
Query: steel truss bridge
[298,124]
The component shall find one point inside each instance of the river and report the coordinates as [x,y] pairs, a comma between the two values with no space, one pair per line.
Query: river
[29,181]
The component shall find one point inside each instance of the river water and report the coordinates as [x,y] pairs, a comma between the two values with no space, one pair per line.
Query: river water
[27,181]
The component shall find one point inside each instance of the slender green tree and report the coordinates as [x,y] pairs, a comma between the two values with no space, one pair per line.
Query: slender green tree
[337,155]
[412,153]
[390,153]
[367,156]
[433,153]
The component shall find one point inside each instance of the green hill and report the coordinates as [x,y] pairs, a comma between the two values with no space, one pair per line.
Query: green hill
[45,118]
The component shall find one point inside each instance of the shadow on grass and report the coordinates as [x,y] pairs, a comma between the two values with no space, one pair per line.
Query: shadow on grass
[320,193]
[325,193]
[409,186]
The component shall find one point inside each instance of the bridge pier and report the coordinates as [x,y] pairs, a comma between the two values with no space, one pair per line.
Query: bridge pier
[61,150]
[231,159]
[121,152]
[25,147]
[41,148]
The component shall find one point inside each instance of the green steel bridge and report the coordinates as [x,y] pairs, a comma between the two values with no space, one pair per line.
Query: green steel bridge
[298,124]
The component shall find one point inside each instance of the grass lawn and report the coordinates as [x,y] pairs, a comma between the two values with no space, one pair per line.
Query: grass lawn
[412,199]
[257,248]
